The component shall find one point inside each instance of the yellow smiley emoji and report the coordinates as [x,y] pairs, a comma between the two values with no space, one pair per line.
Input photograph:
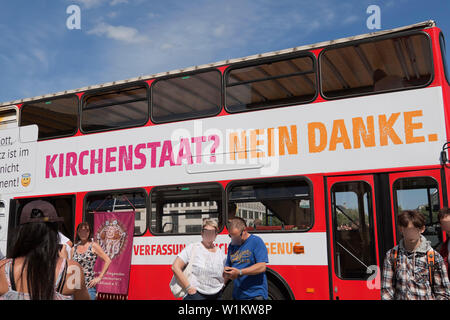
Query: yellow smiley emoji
[26,179]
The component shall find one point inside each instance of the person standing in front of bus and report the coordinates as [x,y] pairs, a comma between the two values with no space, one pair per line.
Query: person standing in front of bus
[35,270]
[206,280]
[85,252]
[406,271]
[444,248]
[246,263]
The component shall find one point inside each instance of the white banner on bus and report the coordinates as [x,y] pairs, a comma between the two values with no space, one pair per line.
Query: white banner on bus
[392,130]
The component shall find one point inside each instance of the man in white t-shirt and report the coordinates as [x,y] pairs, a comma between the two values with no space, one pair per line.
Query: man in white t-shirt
[205,281]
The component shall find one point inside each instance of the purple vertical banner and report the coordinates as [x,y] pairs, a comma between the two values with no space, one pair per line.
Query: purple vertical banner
[114,233]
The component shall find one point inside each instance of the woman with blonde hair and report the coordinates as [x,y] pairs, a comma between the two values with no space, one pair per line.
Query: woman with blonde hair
[207,260]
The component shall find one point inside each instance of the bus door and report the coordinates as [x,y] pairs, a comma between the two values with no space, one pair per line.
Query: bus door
[351,216]
[421,191]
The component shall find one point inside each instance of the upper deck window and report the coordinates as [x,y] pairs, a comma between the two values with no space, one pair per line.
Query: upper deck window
[115,109]
[186,97]
[270,84]
[444,58]
[377,65]
[8,115]
[55,118]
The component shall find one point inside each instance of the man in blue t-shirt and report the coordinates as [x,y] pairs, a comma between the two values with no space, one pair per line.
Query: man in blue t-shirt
[246,263]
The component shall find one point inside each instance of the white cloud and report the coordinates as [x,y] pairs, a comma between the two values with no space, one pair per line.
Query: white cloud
[88,4]
[116,2]
[185,35]
[390,4]
[119,33]
[112,14]
[219,30]
[200,34]
[350,19]
[41,56]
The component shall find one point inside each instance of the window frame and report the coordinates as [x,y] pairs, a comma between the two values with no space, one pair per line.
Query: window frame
[284,57]
[89,94]
[375,39]
[235,183]
[26,104]
[155,189]
[442,45]
[94,193]
[181,75]
[371,206]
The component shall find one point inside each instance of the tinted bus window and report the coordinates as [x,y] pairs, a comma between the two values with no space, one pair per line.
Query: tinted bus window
[420,194]
[55,118]
[186,97]
[353,229]
[377,65]
[115,109]
[65,208]
[444,57]
[8,115]
[117,201]
[272,206]
[272,84]
[181,209]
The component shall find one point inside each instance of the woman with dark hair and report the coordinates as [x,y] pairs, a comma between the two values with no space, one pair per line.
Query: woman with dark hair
[85,252]
[35,270]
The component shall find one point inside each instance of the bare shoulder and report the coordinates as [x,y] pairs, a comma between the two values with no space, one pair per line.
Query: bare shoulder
[96,247]
[2,267]
[3,281]
[2,263]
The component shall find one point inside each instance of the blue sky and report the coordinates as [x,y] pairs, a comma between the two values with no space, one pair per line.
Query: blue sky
[122,39]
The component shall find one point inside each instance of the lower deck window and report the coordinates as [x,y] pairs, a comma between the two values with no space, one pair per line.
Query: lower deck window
[65,208]
[117,201]
[272,206]
[182,209]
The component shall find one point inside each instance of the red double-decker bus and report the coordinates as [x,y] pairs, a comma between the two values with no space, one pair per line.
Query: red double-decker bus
[317,147]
